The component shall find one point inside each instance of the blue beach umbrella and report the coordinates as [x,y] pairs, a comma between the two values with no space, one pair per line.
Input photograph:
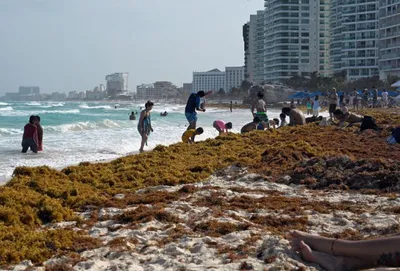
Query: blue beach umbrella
[298,95]
[315,93]
[393,93]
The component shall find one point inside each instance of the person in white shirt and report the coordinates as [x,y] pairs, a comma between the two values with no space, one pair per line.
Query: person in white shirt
[316,106]
[344,108]
[385,97]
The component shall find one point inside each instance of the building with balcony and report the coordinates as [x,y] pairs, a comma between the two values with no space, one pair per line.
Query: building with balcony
[117,83]
[164,90]
[157,90]
[234,77]
[292,38]
[354,37]
[389,38]
[259,48]
[210,80]
[29,90]
[25,93]
[250,44]
[144,91]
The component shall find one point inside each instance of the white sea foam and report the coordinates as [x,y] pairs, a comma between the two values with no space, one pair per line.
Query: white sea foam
[50,105]
[10,112]
[86,106]
[9,131]
[83,125]
[33,103]
[7,108]
[70,111]
[1,103]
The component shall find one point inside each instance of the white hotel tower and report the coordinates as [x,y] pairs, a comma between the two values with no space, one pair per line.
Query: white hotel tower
[389,34]
[296,38]
[354,36]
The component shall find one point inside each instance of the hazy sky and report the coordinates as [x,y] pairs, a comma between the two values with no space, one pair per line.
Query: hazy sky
[64,45]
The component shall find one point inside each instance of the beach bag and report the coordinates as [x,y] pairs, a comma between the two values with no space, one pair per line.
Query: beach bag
[368,123]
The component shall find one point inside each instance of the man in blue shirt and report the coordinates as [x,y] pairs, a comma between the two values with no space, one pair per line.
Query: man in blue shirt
[192,105]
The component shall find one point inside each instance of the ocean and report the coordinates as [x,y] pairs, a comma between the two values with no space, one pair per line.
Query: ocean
[94,131]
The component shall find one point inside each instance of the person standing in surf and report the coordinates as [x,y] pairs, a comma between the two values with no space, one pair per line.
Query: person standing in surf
[30,136]
[39,134]
[192,105]
[144,124]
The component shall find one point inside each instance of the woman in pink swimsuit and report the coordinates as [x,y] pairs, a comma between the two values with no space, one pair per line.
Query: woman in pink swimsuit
[221,126]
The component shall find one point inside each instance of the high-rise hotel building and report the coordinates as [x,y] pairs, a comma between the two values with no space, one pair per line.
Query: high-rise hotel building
[296,38]
[389,38]
[354,37]
[291,38]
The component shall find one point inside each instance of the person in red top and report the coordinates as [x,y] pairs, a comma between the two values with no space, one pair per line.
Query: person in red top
[30,137]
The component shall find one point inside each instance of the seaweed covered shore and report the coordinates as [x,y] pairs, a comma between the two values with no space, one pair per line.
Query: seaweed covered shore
[46,213]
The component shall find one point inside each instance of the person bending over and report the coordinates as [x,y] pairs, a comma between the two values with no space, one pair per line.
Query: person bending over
[274,123]
[221,126]
[254,125]
[192,105]
[296,117]
[367,122]
[189,135]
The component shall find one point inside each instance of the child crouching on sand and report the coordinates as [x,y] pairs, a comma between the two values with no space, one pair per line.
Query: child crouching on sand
[221,126]
[189,135]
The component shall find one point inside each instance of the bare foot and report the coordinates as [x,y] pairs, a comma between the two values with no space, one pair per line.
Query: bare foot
[141,150]
[315,242]
[295,238]
[306,252]
[328,262]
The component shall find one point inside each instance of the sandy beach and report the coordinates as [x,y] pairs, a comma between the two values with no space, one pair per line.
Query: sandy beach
[222,204]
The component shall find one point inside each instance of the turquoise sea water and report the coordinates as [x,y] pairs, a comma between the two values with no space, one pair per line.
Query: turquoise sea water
[94,131]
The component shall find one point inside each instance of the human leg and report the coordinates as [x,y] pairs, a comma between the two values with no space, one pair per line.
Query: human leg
[215,125]
[381,251]
[330,262]
[33,146]
[25,146]
[144,140]
[332,108]
[192,119]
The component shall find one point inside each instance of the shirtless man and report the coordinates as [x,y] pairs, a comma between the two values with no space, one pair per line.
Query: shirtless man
[261,109]
[251,126]
[295,115]
[367,122]
[348,117]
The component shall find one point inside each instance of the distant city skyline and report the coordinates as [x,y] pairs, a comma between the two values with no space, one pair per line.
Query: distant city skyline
[72,45]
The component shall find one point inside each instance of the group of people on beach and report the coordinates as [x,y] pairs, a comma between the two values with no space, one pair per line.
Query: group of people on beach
[32,137]
[364,99]
[339,114]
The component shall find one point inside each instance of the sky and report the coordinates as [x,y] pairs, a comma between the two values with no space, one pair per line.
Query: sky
[66,45]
